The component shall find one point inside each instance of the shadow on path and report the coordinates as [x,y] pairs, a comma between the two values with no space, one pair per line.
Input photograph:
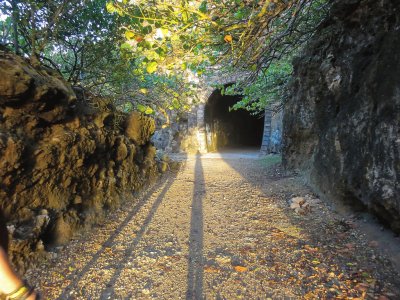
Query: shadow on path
[109,292]
[76,277]
[195,263]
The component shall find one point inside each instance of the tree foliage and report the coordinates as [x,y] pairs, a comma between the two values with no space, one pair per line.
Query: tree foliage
[80,39]
[268,89]
[148,54]
[69,35]
[258,37]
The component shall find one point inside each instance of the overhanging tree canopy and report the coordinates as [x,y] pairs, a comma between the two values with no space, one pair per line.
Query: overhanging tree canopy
[178,35]
[145,52]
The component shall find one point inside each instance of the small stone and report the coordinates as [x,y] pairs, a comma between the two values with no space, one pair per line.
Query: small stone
[294,205]
[43,212]
[41,222]
[145,291]
[298,200]
[40,246]
[373,244]
[77,200]
[223,259]
[11,229]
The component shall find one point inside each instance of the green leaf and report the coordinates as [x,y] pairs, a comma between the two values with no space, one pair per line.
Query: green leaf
[126,46]
[185,16]
[146,30]
[151,67]
[149,111]
[176,104]
[145,109]
[203,7]
[141,108]
[239,14]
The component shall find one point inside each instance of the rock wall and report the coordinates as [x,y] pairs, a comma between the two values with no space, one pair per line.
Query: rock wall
[342,123]
[63,160]
[178,133]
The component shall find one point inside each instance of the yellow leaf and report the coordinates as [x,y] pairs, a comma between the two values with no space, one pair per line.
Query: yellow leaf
[110,7]
[151,67]
[165,31]
[129,35]
[228,38]
[143,91]
[211,269]
[149,110]
[315,262]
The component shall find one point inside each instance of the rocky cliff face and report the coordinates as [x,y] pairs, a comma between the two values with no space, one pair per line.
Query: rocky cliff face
[342,124]
[63,160]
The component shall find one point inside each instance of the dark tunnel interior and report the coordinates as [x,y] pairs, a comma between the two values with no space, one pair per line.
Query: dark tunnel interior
[231,129]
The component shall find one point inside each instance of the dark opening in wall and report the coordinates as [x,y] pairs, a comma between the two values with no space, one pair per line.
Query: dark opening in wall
[230,129]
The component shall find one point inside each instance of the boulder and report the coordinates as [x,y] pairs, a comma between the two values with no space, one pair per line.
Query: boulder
[139,128]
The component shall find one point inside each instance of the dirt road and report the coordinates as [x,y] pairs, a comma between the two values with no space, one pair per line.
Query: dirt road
[221,228]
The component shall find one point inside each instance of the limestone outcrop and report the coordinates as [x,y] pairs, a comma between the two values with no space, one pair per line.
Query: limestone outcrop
[342,123]
[64,160]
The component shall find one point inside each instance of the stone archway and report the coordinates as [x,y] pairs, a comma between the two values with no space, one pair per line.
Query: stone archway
[192,135]
[272,122]
[230,129]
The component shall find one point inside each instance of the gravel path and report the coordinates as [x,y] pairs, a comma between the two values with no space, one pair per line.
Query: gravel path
[221,228]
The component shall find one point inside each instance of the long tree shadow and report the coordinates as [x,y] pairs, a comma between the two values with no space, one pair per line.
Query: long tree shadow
[109,292]
[195,261]
[77,276]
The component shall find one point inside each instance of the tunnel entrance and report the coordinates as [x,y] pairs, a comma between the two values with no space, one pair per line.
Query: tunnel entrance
[230,129]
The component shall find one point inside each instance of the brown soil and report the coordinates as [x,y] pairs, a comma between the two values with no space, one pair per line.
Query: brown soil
[221,228]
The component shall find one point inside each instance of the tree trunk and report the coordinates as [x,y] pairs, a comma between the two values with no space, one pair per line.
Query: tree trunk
[15,15]
[34,58]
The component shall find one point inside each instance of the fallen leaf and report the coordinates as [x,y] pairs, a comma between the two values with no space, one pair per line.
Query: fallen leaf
[310,249]
[315,262]
[211,269]
[240,269]
[362,287]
